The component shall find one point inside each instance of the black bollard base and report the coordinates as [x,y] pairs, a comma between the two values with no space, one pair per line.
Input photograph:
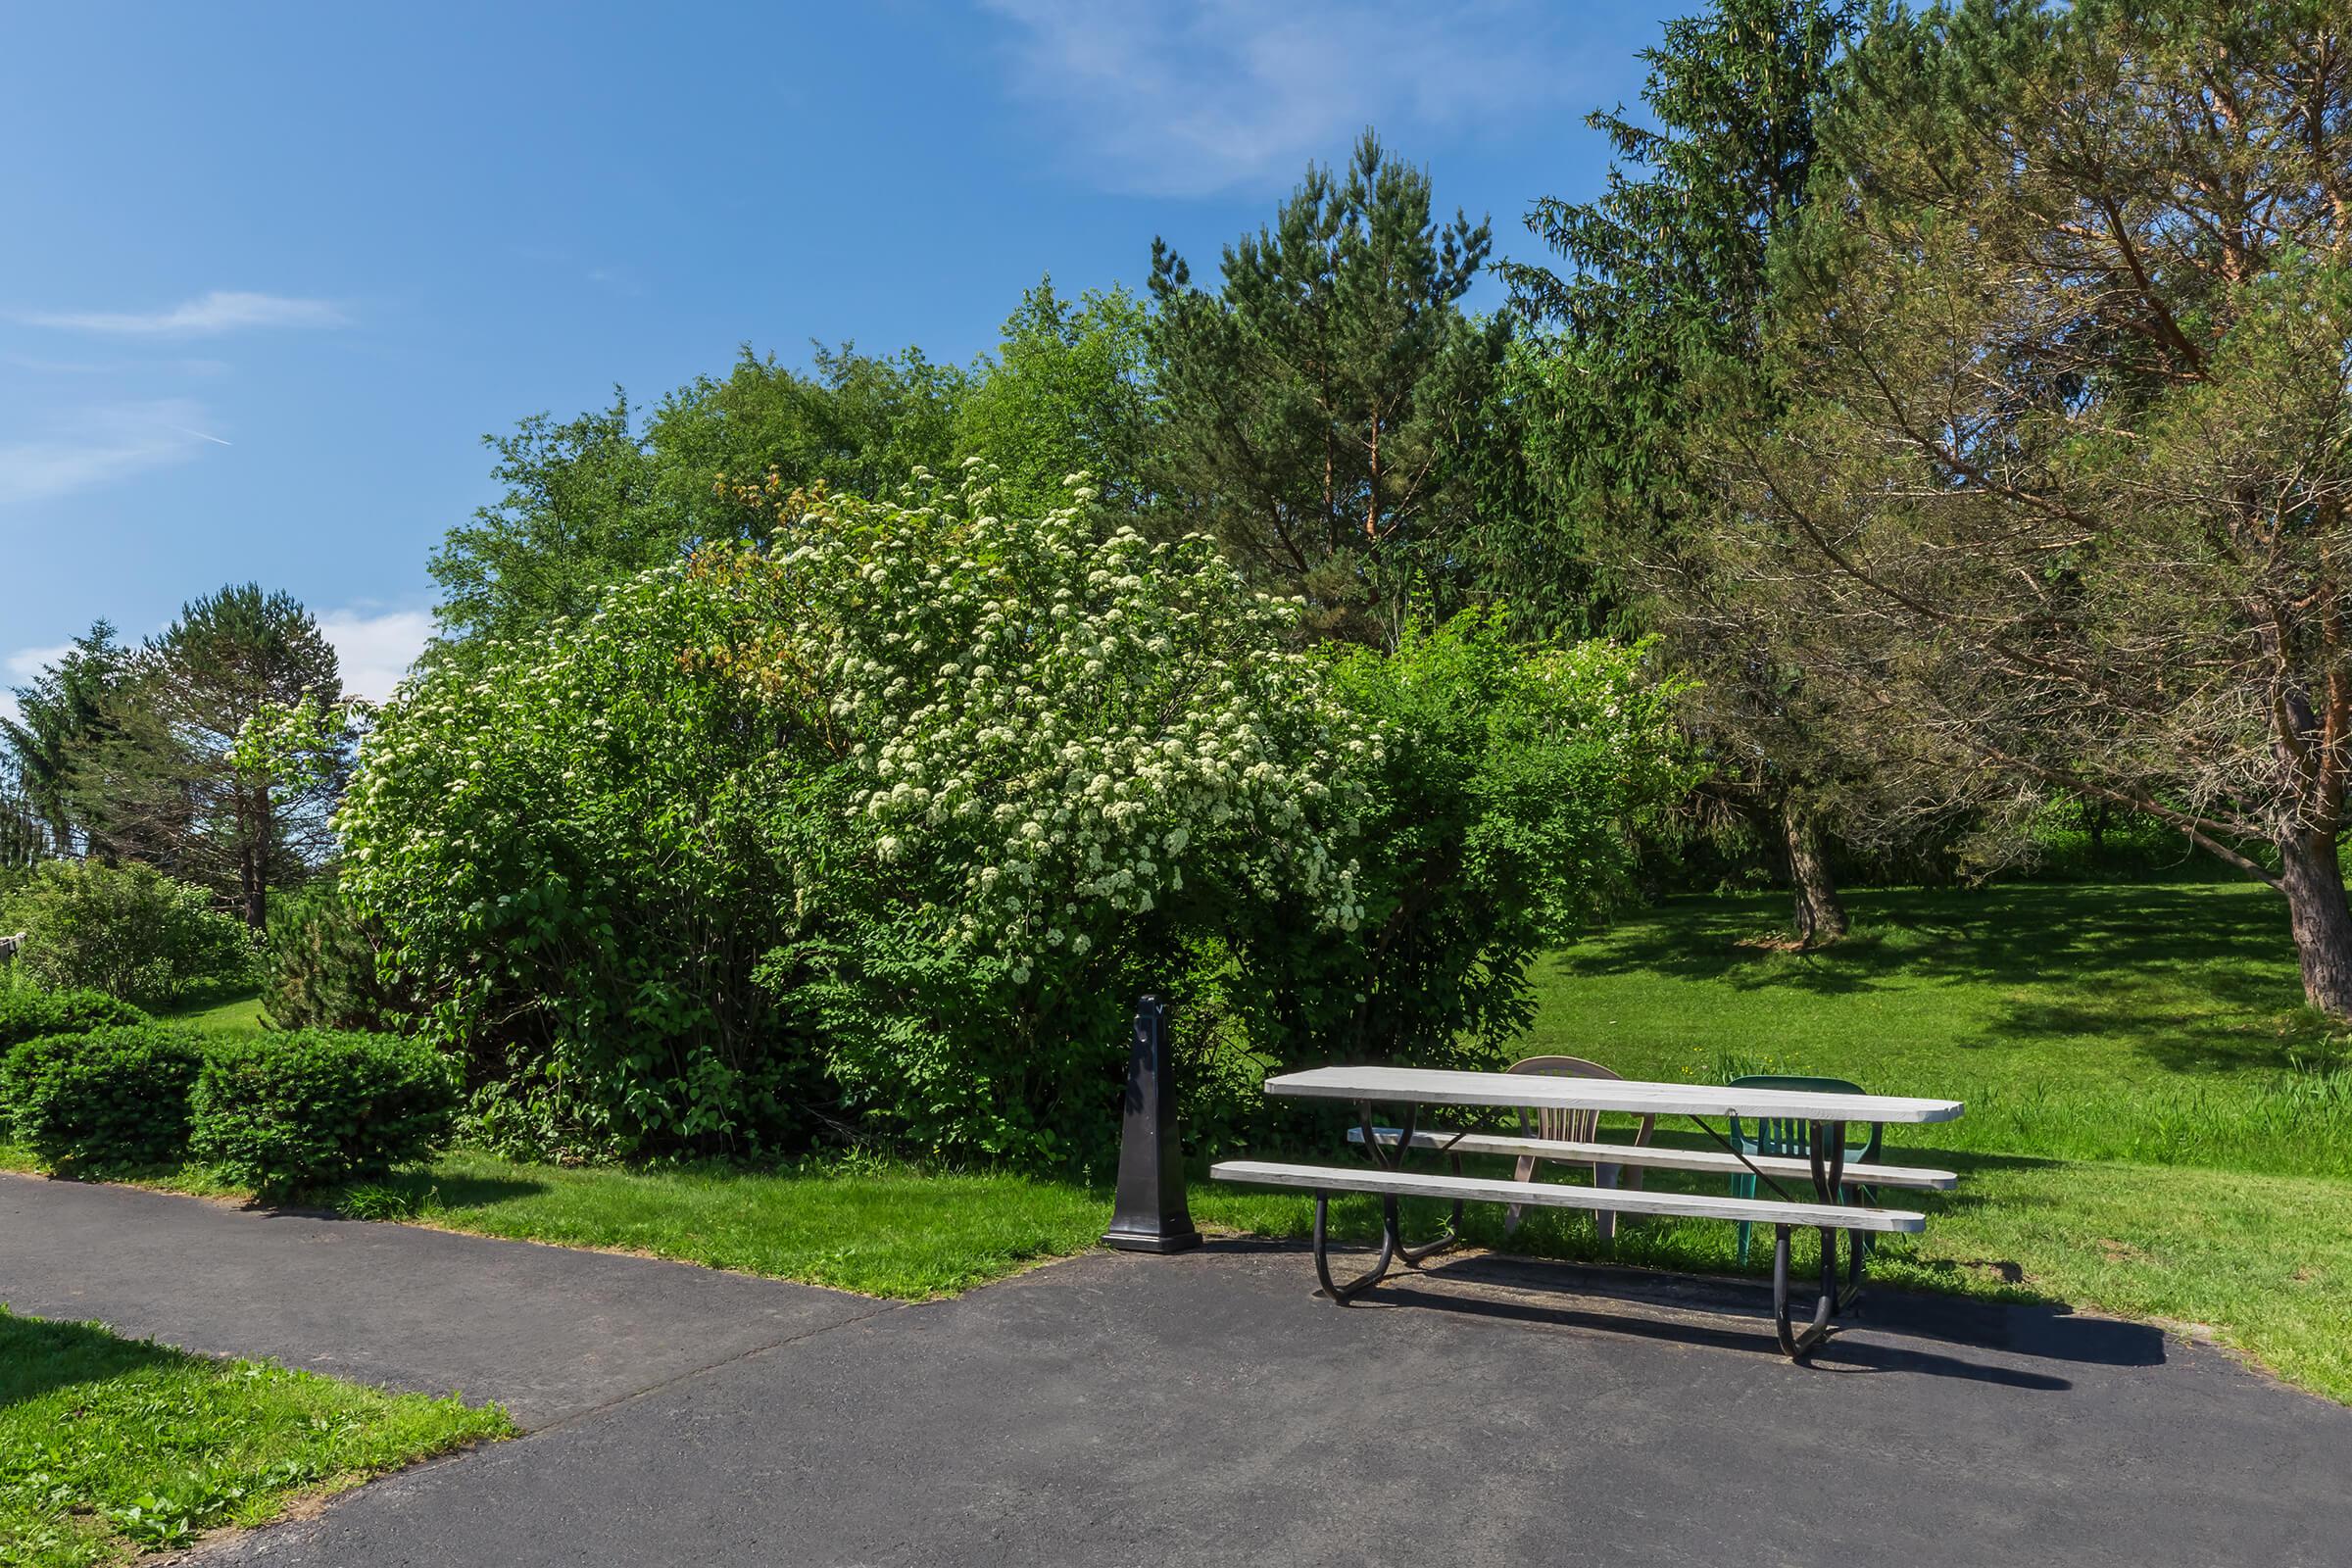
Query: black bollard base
[1151,1215]
[1136,1240]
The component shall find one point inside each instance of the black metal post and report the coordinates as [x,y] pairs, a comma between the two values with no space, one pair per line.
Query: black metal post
[1151,1215]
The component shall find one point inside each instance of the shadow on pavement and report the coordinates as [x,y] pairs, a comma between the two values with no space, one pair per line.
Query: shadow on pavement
[1893,1332]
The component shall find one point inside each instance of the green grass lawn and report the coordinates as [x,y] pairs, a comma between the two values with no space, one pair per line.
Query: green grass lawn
[235,1015]
[2148,1131]
[109,1446]
[2162,1023]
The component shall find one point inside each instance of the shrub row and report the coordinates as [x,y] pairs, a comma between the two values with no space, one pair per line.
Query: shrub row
[26,1013]
[278,1113]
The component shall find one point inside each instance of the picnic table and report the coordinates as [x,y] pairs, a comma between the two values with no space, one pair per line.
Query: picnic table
[1824,1166]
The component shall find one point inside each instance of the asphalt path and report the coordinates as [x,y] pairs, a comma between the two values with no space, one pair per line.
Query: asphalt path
[1206,1408]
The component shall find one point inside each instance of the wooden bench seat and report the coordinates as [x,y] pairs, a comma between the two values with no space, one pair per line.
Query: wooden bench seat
[1558,1195]
[1714,1162]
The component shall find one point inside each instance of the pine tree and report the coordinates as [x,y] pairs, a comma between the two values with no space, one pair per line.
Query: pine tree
[159,786]
[1665,286]
[1315,404]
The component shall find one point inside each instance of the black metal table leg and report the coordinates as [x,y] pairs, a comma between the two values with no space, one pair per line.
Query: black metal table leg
[1827,1159]
[1393,1245]
[1340,1294]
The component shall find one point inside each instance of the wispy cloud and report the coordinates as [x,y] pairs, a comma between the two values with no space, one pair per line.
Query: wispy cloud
[1185,101]
[98,445]
[208,316]
[376,646]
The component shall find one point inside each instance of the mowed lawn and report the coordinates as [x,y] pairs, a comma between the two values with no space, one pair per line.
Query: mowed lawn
[109,1446]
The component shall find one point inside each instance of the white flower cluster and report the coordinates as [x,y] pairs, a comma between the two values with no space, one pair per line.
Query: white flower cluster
[1077,715]
[1048,728]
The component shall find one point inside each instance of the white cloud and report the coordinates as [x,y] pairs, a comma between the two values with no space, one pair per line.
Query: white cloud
[220,311]
[19,669]
[96,445]
[1183,101]
[375,648]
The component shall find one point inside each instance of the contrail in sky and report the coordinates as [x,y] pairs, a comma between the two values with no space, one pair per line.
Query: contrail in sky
[199,435]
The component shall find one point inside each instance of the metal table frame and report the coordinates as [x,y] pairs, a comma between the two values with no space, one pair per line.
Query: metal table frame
[1826,1158]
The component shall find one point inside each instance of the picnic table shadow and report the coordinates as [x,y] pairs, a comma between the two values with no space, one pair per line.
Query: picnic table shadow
[1894,1332]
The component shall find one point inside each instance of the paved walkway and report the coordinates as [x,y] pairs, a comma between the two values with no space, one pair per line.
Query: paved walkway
[1207,1409]
[549,1332]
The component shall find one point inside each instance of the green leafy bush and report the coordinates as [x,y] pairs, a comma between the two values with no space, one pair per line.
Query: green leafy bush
[115,1097]
[130,931]
[319,965]
[295,1113]
[1504,816]
[879,826]
[878,829]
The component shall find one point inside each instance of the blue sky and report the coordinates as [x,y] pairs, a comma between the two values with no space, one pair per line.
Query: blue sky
[273,270]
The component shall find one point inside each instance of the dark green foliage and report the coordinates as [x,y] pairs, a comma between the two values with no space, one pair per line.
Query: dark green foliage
[26,1013]
[319,965]
[1644,328]
[1665,271]
[168,781]
[1318,405]
[24,837]
[115,1097]
[62,716]
[610,494]
[123,753]
[296,1112]
[128,931]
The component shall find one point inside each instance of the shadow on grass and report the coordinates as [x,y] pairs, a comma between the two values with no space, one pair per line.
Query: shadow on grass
[2062,960]
[40,1356]
[402,1195]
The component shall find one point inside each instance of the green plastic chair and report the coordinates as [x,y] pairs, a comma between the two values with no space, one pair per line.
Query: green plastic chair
[1794,1136]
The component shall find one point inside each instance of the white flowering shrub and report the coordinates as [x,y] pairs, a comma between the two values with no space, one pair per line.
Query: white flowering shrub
[881,826]
[887,819]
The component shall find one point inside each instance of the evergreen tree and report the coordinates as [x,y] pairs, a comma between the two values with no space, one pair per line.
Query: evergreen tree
[1316,405]
[63,716]
[1665,285]
[2046,478]
[160,786]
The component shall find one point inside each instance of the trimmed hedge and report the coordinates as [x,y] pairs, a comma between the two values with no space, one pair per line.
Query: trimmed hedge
[112,1096]
[28,1015]
[294,1112]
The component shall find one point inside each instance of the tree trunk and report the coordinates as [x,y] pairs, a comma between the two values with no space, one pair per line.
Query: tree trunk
[2313,884]
[1820,918]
